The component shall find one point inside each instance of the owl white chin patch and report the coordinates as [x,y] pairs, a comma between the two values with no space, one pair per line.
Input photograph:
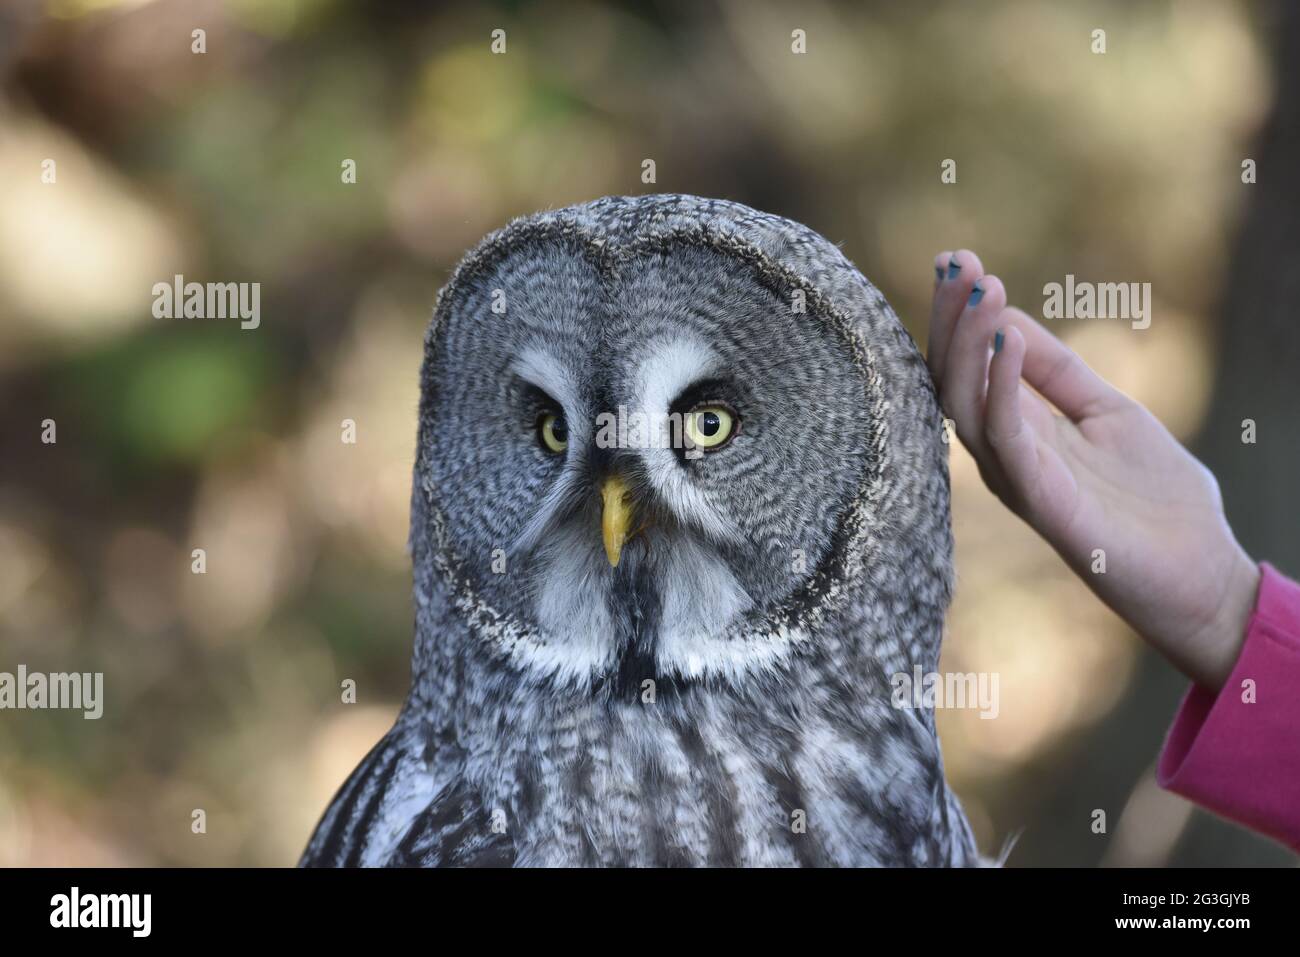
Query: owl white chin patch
[571,606]
[701,601]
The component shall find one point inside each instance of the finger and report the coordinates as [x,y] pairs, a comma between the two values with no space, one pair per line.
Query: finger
[963,268]
[966,372]
[941,262]
[940,269]
[1059,375]
[1011,439]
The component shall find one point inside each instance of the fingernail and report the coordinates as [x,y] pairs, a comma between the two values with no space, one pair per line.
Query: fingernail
[954,267]
[976,295]
[938,272]
[998,339]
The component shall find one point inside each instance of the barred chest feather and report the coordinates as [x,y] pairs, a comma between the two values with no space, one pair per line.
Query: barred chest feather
[697,778]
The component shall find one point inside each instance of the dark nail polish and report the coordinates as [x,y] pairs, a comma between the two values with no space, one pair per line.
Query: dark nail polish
[976,295]
[938,272]
[998,339]
[954,267]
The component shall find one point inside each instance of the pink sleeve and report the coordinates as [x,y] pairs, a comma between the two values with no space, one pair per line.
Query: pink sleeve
[1241,757]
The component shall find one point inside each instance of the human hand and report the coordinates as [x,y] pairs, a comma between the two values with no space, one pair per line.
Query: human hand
[1104,474]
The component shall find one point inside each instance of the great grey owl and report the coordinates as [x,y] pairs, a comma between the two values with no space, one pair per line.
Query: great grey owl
[632,651]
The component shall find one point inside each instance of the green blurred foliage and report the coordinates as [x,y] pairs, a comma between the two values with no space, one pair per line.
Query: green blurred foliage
[165,400]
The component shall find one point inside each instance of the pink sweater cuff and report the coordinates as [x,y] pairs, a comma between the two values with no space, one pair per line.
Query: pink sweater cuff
[1238,752]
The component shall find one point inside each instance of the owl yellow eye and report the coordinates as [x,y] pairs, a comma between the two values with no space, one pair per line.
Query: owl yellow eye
[709,426]
[553,432]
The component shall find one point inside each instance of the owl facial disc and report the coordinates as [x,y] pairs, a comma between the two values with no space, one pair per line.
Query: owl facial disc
[711,561]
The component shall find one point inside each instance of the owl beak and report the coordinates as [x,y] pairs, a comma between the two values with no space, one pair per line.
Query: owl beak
[615,518]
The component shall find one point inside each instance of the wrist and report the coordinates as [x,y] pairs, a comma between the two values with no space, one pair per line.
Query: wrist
[1217,645]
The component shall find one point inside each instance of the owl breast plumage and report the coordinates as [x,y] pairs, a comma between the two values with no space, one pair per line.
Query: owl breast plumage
[680,512]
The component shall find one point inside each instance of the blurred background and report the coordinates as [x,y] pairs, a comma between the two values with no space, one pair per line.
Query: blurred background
[223,690]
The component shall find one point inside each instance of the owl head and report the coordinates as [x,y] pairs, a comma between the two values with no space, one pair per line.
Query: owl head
[675,438]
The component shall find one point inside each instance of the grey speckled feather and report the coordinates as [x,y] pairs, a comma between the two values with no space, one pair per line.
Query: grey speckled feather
[778,584]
